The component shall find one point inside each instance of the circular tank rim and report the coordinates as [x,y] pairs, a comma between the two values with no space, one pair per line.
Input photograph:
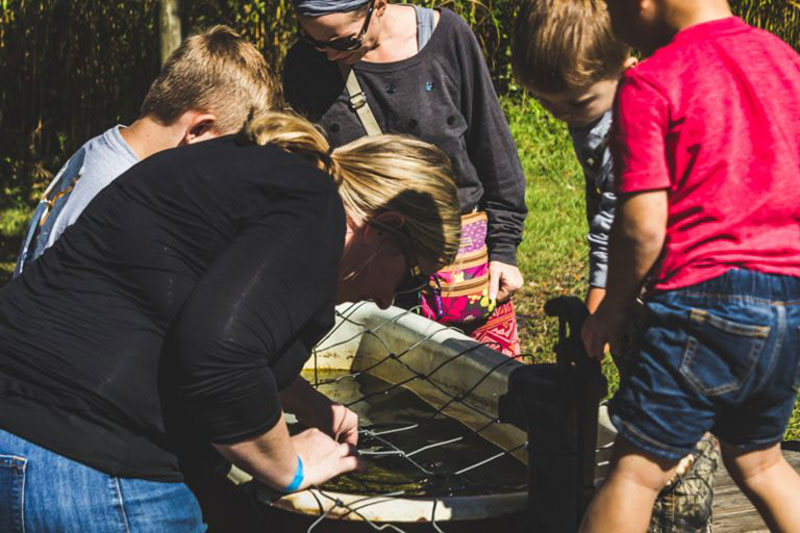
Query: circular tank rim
[383,508]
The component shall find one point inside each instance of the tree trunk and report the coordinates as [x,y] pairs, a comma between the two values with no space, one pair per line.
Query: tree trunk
[169,27]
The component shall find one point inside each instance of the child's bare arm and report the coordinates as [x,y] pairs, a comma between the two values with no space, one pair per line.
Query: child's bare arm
[594,297]
[636,242]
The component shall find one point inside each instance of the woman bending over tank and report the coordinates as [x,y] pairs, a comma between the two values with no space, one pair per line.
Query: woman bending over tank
[183,301]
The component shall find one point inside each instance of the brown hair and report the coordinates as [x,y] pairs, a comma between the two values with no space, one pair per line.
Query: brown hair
[560,45]
[216,71]
[378,173]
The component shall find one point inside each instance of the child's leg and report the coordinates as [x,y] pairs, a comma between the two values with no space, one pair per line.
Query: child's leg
[769,482]
[722,356]
[684,504]
[625,501]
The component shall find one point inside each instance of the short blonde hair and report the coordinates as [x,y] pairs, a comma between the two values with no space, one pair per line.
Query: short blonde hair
[560,45]
[216,71]
[377,174]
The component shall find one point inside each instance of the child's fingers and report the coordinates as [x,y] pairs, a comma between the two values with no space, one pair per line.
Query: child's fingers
[593,352]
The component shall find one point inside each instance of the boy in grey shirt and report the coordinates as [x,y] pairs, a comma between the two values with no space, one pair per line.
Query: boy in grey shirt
[96,164]
[576,80]
[591,148]
[207,88]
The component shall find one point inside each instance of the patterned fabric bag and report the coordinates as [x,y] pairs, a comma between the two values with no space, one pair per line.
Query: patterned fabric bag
[458,294]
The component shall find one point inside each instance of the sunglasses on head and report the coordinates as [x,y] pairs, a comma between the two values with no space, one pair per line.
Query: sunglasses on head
[342,44]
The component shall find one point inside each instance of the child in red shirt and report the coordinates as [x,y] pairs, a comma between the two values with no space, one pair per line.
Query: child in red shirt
[706,143]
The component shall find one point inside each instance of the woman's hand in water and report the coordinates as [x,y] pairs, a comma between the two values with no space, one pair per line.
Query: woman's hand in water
[272,457]
[314,409]
[334,419]
[344,424]
[324,458]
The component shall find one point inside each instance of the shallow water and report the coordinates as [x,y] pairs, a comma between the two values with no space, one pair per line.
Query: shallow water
[398,422]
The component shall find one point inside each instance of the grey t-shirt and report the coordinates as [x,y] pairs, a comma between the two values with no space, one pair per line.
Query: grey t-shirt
[96,164]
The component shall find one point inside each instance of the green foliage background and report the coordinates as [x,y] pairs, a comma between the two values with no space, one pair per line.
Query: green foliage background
[72,68]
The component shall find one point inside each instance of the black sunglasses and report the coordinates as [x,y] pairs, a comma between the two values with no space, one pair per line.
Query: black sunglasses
[342,44]
[415,280]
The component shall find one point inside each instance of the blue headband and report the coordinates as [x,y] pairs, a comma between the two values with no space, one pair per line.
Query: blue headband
[317,8]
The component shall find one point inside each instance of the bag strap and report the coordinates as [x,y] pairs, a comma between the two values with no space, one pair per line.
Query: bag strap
[358,101]
[426,24]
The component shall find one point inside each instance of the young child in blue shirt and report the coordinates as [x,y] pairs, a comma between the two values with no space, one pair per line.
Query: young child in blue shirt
[575,79]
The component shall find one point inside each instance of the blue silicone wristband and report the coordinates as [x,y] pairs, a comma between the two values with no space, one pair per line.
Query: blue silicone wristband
[298,477]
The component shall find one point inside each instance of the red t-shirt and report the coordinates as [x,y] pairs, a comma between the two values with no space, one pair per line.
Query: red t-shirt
[714,118]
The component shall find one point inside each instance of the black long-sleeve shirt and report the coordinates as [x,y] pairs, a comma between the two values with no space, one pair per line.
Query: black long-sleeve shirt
[443,95]
[194,286]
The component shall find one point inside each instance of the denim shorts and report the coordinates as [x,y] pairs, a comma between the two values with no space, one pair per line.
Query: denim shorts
[43,491]
[721,356]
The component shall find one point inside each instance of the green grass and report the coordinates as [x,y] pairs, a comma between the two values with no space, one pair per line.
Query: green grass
[13,222]
[553,255]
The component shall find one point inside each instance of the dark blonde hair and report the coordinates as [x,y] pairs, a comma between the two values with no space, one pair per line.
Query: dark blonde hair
[216,71]
[560,45]
[376,174]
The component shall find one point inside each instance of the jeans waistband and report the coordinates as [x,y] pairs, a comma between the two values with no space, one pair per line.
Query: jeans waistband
[747,283]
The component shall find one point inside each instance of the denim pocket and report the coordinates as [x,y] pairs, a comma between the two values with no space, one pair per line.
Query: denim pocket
[720,353]
[12,492]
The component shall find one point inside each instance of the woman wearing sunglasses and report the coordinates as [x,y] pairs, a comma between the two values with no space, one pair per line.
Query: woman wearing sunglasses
[366,66]
[180,308]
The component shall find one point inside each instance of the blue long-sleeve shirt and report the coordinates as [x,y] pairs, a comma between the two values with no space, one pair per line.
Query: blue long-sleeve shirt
[591,147]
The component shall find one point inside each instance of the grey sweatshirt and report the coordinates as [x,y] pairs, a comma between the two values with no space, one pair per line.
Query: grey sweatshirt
[443,95]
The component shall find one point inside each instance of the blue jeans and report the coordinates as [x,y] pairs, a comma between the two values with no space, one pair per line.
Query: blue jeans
[720,356]
[42,491]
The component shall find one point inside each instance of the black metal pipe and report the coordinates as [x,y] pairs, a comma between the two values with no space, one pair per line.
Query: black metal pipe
[557,404]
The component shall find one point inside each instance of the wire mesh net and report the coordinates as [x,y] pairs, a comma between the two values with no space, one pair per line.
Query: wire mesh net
[449,445]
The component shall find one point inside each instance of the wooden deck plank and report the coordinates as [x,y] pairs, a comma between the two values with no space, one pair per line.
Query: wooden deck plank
[733,512]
